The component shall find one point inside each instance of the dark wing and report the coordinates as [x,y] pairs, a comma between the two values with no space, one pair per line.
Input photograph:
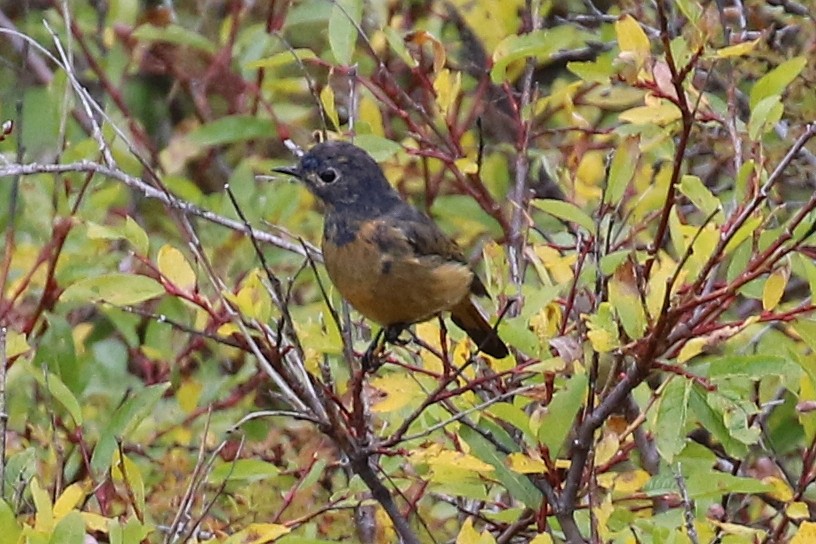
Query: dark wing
[427,240]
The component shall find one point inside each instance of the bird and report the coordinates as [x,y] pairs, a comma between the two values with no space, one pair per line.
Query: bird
[389,260]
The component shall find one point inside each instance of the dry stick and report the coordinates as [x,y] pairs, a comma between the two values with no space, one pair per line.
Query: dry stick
[3,414]
[149,191]
[522,165]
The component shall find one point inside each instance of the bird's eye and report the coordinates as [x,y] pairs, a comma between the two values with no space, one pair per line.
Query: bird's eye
[329,175]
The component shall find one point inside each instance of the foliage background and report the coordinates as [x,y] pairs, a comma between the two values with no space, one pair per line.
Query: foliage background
[634,181]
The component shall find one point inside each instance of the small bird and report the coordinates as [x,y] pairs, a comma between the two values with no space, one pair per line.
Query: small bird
[388,259]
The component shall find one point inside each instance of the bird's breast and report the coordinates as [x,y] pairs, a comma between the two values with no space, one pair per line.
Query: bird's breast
[377,271]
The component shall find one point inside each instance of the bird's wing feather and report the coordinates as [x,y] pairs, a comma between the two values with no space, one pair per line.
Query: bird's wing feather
[427,240]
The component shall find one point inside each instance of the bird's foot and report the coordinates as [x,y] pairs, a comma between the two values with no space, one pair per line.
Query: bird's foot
[392,335]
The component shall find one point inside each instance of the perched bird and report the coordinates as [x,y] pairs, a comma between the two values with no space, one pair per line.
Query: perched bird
[388,259]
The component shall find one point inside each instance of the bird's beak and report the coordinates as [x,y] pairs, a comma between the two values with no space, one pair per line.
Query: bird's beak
[293,171]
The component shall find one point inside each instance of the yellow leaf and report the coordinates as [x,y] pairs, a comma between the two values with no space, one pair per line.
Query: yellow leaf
[542,538]
[370,113]
[774,289]
[258,533]
[253,300]
[329,108]
[629,482]
[469,535]
[400,390]
[603,331]
[662,113]
[523,464]
[175,268]
[42,503]
[446,87]
[693,347]
[606,448]
[632,39]
[797,510]
[806,533]
[69,499]
[125,471]
[188,394]
[228,329]
[737,50]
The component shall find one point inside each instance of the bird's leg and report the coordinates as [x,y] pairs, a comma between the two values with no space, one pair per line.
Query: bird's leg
[392,334]
[371,358]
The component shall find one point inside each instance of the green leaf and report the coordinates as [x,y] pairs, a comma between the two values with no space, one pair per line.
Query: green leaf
[775,81]
[230,129]
[696,191]
[517,485]
[136,235]
[539,44]
[754,367]
[714,484]
[566,211]
[174,34]
[251,470]
[379,148]
[60,392]
[670,423]
[712,420]
[764,116]
[116,288]
[622,169]
[123,421]
[597,71]
[557,422]
[69,530]
[345,17]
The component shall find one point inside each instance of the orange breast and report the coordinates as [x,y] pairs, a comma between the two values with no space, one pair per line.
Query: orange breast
[394,288]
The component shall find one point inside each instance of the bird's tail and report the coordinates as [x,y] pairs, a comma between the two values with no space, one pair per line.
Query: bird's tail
[469,318]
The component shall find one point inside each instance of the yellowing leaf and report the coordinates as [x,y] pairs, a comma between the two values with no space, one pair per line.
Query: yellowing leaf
[603,331]
[280,59]
[632,39]
[175,268]
[467,165]
[125,471]
[399,390]
[446,87]
[15,344]
[69,499]
[737,50]
[524,464]
[659,114]
[258,533]
[693,347]
[781,490]
[774,289]
[95,522]
[806,533]
[797,510]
